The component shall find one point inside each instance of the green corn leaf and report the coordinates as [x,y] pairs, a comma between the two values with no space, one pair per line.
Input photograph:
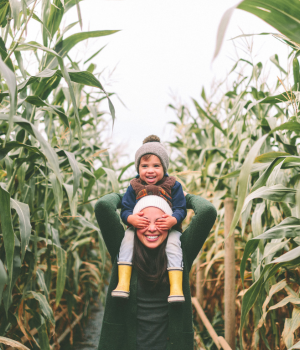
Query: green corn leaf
[15,9]
[283,16]
[23,212]
[67,44]
[94,55]
[276,193]
[43,337]
[44,306]
[288,260]
[67,79]
[85,78]
[8,233]
[249,249]
[55,17]
[290,126]
[3,279]
[214,121]
[256,167]
[285,161]
[243,180]
[274,59]
[124,169]
[286,19]
[10,79]
[262,180]
[270,156]
[58,192]
[61,273]
[3,13]
[9,146]
[296,74]
[20,63]
[111,175]
[47,149]
[41,281]
[73,200]
[76,171]
[54,235]
[37,101]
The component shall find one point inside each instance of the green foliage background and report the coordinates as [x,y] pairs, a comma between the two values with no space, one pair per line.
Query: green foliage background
[242,143]
[52,255]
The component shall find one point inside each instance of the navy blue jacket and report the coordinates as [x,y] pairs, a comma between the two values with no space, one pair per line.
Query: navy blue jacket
[178,203]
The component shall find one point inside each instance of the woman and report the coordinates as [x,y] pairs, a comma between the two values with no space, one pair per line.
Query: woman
[128,324]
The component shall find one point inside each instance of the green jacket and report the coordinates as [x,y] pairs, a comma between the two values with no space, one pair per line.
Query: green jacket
[119,322]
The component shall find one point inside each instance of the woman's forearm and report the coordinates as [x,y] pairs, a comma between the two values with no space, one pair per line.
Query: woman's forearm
[109,222]
[195,235]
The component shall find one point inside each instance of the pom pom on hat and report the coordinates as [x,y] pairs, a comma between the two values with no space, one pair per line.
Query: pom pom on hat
[151,138]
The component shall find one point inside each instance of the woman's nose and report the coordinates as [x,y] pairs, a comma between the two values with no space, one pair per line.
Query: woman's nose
[152,227]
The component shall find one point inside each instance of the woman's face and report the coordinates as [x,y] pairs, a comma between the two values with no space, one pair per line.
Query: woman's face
[151,236]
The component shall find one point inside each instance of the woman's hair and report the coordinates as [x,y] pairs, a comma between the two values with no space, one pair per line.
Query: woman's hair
[151,264]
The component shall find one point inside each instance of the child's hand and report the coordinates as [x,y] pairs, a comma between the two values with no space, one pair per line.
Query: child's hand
[137,220]
[166,222]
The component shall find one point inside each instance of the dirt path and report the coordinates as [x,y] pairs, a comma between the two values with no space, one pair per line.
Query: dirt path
[92,330]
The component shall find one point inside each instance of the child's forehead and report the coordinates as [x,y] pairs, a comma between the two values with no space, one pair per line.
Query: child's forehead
[150,158]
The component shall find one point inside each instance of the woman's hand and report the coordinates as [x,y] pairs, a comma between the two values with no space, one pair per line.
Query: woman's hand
[137,220]
[166,222]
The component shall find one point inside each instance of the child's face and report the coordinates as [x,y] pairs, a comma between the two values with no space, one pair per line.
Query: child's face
[151,170]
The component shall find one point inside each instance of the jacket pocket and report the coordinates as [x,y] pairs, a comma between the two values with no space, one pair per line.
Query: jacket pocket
[113,337]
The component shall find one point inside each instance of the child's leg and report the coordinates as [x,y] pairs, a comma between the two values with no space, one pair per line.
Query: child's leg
[173,249]
[174,255]
[125,265]
[126,249]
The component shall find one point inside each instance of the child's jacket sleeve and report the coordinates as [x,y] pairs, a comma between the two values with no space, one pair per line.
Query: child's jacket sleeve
[178,203]
[128,203]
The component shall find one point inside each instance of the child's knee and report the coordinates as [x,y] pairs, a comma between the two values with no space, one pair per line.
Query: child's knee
[129,235]
[174,239]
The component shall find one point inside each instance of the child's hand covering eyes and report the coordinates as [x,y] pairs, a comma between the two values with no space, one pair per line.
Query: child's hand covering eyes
[137,220]
[166,222]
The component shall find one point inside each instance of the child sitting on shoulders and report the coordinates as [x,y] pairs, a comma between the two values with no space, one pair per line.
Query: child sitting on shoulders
[152,161]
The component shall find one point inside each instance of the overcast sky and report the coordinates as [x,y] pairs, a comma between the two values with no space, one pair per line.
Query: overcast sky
[164,48]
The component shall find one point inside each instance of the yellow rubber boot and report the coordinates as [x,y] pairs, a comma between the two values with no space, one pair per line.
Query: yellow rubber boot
[176,293]
[122,290]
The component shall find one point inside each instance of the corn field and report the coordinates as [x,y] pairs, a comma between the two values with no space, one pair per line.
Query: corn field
[52,256]
[239,141]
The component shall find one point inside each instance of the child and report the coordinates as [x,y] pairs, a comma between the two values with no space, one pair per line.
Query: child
[152,161]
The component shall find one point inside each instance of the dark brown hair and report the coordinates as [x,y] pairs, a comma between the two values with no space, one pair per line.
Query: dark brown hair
[146,156]
[151,264]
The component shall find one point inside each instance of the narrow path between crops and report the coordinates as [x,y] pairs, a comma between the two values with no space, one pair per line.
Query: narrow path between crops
[92,329]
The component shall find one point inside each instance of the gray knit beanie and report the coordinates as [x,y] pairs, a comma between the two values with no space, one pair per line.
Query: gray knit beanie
[152,145]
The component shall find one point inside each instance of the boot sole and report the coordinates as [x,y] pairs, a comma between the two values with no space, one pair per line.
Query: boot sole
[176,299]
[120,294]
